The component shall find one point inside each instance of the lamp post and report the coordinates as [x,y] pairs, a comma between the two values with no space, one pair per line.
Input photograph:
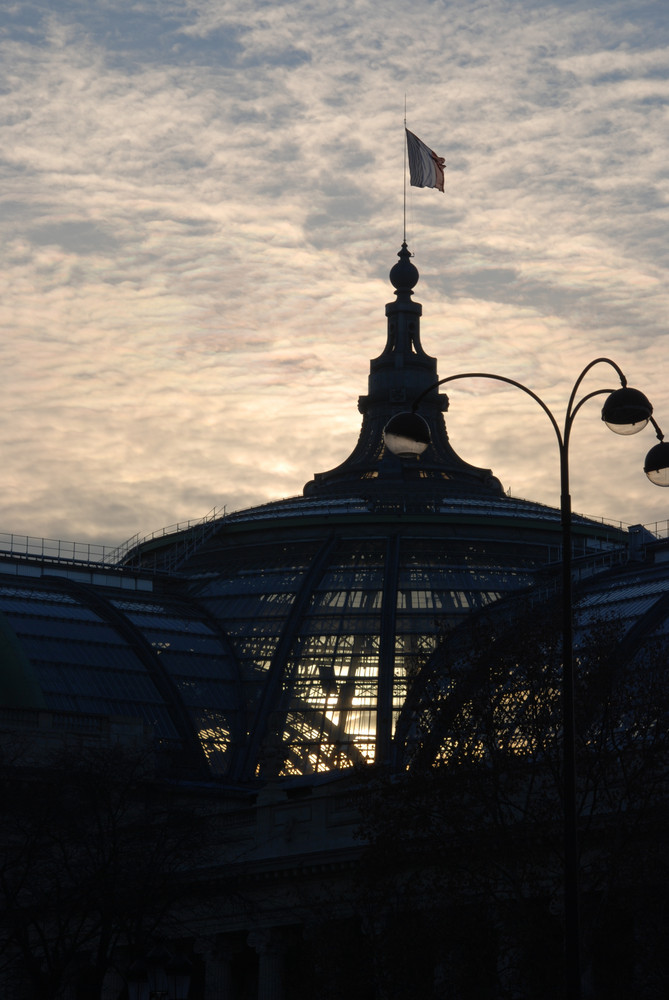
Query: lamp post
[626,411]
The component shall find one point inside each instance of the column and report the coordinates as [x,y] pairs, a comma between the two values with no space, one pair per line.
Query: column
[270,948]
[218,976]
[217,955]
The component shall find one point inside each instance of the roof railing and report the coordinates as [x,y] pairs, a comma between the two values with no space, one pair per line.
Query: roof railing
[115,557]
[56,550]
[137,540]
[658,528]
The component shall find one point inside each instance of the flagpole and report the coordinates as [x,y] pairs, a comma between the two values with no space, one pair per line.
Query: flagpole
[405,169]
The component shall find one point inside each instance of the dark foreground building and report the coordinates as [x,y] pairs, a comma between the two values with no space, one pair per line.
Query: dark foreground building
[311,749]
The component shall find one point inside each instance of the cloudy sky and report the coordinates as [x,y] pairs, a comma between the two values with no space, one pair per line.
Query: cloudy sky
[200,204]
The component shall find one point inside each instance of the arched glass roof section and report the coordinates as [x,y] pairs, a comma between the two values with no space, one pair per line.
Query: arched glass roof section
[112,654]
[495,681]
[334,610]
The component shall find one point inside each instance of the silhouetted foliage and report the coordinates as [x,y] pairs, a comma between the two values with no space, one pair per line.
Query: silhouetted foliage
[468,839]
[95,853]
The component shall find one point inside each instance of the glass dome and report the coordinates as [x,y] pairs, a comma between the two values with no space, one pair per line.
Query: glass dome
[334,612]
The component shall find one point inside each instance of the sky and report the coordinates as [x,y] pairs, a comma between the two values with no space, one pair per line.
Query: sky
[200,202]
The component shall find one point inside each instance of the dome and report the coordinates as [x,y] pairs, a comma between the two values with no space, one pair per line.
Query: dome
[294,639]
[334,607]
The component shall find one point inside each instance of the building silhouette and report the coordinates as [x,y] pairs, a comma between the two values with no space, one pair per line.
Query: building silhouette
[266,667]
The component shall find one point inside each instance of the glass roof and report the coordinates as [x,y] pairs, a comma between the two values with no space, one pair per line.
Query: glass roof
[127,658]
[287,651]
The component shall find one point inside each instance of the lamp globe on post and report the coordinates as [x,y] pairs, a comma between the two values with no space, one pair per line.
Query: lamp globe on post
[407,435]
[626,411]
[656,465]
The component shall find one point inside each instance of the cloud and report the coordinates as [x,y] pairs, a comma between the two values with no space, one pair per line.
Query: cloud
[203,204]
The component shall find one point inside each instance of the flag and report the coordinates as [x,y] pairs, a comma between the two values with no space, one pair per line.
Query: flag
[426,169]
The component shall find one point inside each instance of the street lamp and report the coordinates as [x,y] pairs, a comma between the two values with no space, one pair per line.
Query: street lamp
[626,411]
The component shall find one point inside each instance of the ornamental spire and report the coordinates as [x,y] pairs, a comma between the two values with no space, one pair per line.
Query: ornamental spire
[401,373]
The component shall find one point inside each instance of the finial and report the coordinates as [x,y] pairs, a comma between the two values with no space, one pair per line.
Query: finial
[404,275]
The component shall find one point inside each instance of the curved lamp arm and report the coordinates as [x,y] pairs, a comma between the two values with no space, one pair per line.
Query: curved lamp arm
[626,411]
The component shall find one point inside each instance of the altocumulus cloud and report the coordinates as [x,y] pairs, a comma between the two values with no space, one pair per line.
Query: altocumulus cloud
[201,204]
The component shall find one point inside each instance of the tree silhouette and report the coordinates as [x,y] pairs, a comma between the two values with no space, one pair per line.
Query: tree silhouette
[465,862]
[97,854]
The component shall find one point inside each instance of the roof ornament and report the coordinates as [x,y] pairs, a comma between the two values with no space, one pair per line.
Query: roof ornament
[403,372]
[404,275]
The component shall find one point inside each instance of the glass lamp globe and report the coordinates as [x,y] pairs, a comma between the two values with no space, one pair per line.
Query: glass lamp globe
[656,465]
[626,411]
[406,435]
